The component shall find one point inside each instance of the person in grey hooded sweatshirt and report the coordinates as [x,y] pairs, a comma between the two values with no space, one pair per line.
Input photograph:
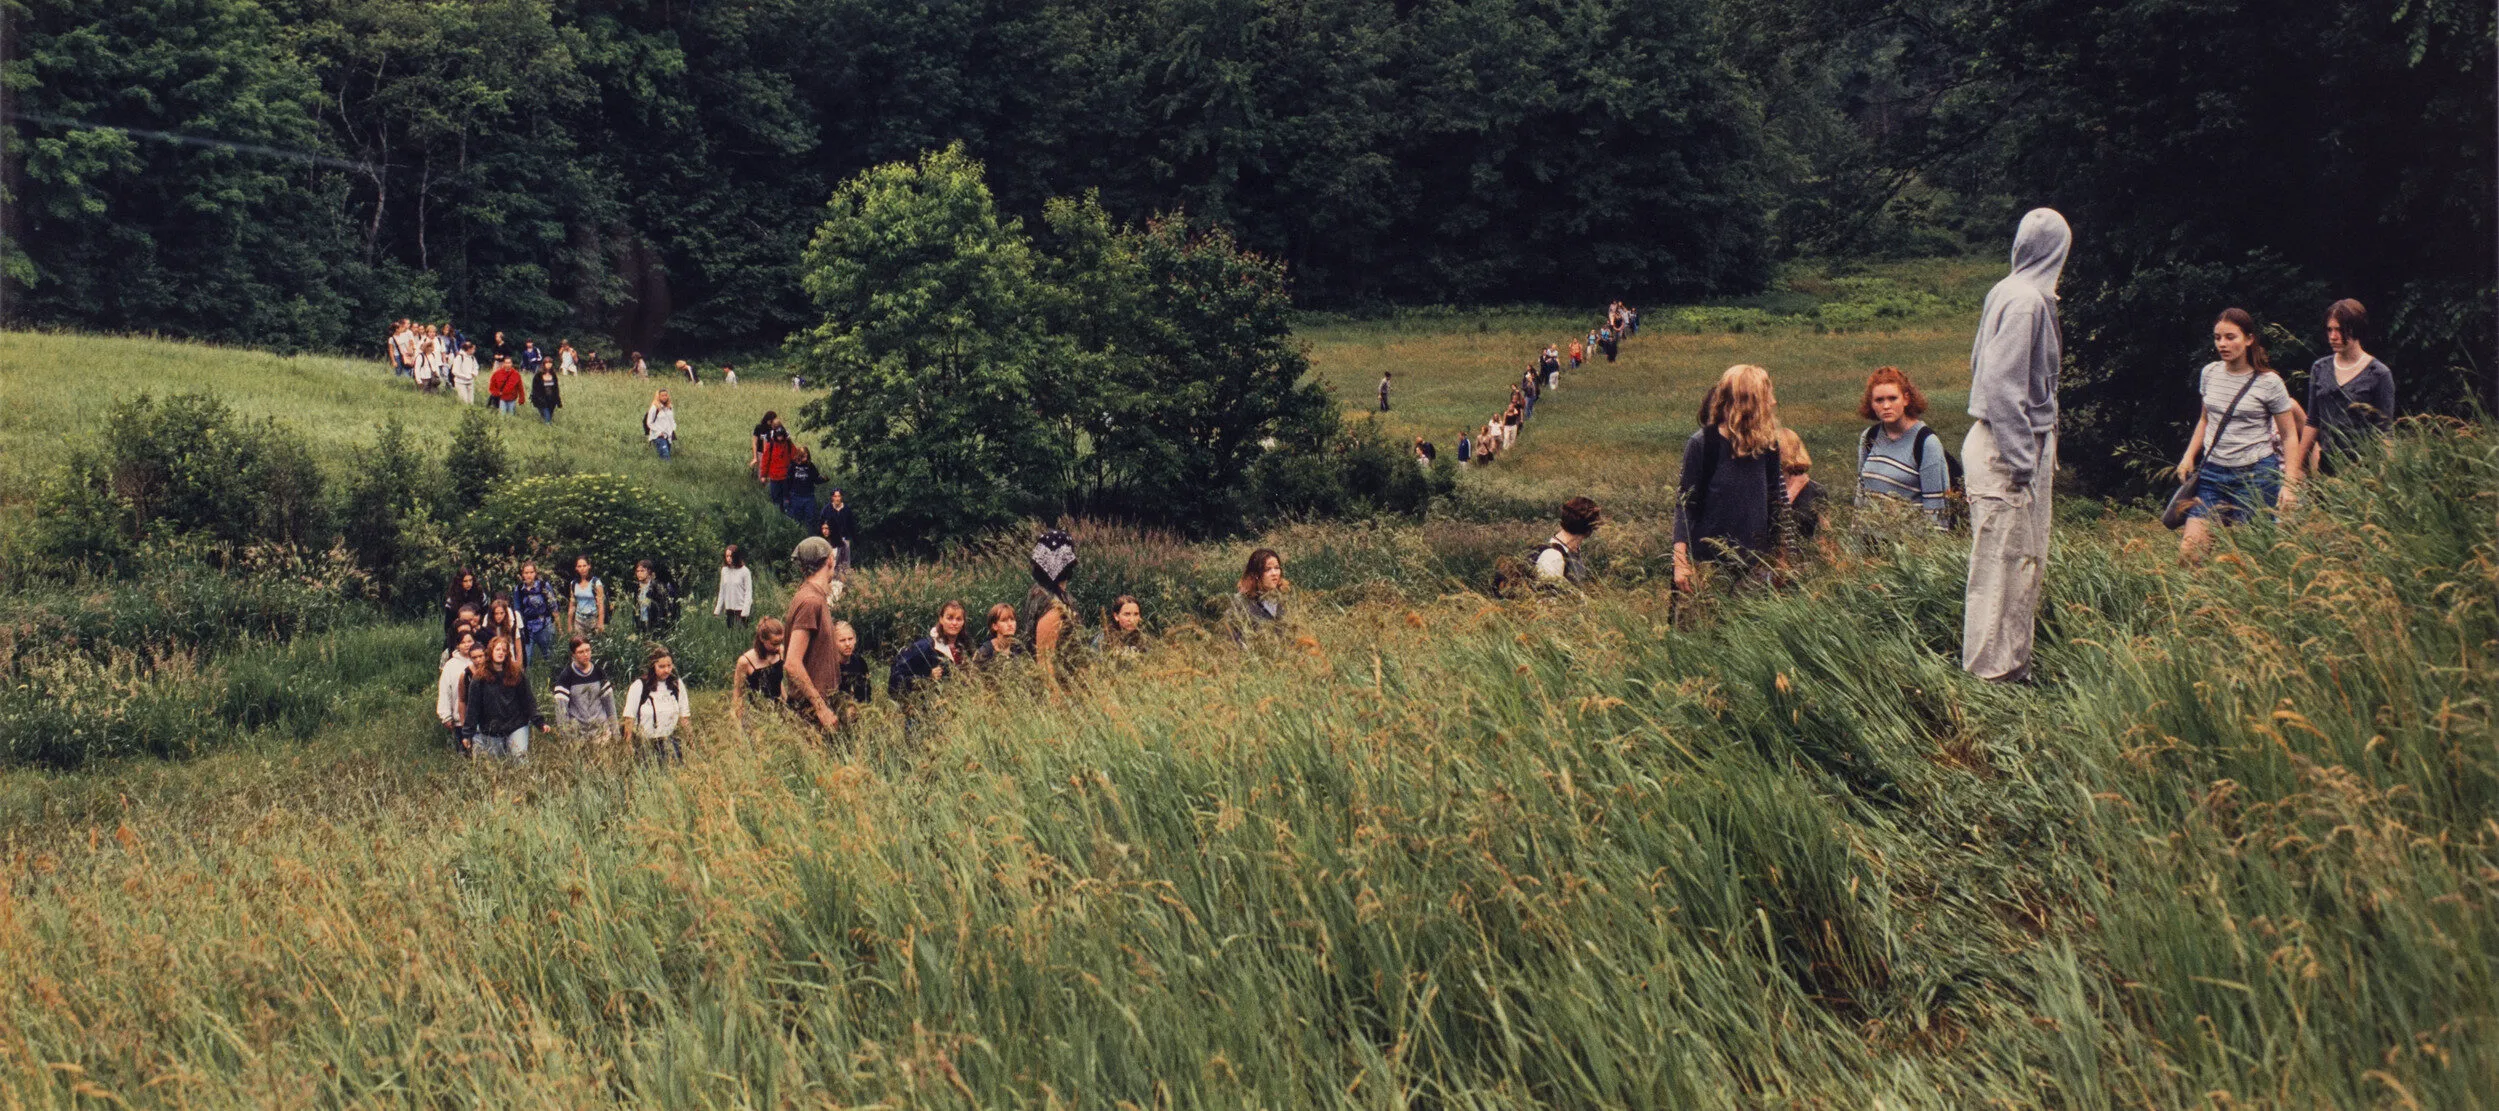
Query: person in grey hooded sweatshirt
[2010,455]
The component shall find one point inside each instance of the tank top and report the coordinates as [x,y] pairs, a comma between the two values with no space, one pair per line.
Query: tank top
[586,599]
[766,681]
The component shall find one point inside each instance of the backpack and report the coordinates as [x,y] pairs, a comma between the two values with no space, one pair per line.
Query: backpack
[1511,574]
[1956,495]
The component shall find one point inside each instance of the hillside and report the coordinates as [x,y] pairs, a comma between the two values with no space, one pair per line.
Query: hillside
[2233,849]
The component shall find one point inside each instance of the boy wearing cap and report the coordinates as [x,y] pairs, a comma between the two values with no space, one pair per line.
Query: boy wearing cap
[814,676]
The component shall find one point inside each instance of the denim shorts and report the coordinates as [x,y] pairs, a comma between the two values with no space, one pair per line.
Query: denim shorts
[2233,494]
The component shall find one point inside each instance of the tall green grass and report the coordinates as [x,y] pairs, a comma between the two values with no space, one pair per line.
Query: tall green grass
[2235,849]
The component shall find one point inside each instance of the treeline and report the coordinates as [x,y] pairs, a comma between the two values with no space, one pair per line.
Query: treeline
[651,170]
[288,173]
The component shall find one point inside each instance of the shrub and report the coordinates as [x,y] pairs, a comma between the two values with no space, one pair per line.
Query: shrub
[387,515]
[185,465]
[609,518]
[475,462]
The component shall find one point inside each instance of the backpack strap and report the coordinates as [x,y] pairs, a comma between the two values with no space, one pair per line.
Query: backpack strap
[1917,459]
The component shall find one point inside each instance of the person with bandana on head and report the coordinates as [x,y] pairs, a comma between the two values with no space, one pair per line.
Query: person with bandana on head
[1048,619]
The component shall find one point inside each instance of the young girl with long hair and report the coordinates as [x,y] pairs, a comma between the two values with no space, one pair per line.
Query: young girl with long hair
[736,597]
[499,707]
[2235,458]
[757,674]
[659,706]
[1732,505]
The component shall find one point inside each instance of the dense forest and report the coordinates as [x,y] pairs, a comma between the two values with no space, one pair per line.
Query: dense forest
[288,173]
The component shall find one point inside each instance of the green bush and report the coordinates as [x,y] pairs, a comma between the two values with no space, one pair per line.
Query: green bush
[609,518]
[187,465]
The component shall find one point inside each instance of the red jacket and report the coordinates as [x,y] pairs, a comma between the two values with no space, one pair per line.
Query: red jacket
[504,384]
[774,457]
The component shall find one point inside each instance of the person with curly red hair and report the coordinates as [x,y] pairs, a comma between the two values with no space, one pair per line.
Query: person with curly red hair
[1899,456]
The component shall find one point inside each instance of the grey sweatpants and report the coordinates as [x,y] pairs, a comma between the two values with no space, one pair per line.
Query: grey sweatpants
[2008,557]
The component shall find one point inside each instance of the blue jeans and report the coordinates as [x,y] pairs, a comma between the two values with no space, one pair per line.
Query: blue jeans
[507,408]
[2230,495]
[546,414]
[537,642]
[664,443]
[510,746]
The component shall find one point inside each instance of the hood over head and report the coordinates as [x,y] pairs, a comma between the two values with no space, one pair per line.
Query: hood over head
[2039,247]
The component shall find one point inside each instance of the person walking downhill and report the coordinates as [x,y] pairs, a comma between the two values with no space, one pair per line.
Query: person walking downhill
[1385,376]
[758,675]
[814,686]
[736,598]
[1258,600]
[799,503]
[654,599]
[428,371]
[1731,506]
[1560,561]
[403,349]
[503,388]
[659,707]
[588,612]
[448,685]
[1898,456]
[464,374]
[465,592]
[913,679]
[659,424]
[772,457]
[2233,458]
[2351,395]
[2009,457]
[537,602]
[546,393]
[585,701]
[841,526]
[499,706]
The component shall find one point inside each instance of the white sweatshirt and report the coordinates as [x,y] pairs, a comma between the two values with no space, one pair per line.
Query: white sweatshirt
[666,709]
[737,590]
[447,690]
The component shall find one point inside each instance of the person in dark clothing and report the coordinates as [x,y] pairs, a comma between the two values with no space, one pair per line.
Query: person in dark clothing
[655,608]
[841,528]
[538,603]
[913,679]
[799,490]
[531,357]
[545,393]
[1731,505]
[1610,343]
[499,706]
[1385,376]
[466,591]
[2351,395]
[773,451]
[758,672]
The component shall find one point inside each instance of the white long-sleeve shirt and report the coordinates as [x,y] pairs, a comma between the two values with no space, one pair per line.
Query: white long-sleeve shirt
[667,707]
[463,368]
[661,422]
[737,590]
[447,690]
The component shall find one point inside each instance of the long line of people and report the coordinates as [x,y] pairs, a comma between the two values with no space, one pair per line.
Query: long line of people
[1542,376]
[1745,503]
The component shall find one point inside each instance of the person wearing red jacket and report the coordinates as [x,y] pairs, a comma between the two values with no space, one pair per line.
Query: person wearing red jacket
[503,387]
[772,457]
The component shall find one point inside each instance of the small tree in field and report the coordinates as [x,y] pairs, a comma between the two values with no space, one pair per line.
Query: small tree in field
[940,372]
[475,462]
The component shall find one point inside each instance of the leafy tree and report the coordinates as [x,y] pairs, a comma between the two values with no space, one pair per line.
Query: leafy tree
[933,354]
[1187,363]
[386,511]
[475,462]
[177,175]
[609,518]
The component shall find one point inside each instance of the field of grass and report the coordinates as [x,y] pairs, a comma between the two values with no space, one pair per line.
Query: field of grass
[2235,848]
[1615,431]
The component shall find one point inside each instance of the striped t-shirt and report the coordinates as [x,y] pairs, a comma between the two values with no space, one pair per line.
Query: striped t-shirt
[2249,436]
[1891,468]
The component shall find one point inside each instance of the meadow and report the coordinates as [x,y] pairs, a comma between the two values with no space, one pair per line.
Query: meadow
[2235,847]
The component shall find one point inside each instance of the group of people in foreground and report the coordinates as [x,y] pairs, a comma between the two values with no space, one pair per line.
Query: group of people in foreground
[1745,500]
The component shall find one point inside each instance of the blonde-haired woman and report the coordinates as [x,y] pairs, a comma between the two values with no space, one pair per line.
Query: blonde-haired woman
[659,424]
[1732,502]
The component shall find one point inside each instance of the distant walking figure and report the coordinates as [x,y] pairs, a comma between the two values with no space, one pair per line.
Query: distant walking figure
[1384,377]
[2010,454]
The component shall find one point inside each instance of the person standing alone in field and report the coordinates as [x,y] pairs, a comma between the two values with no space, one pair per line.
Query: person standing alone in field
[1385,376]
[2009,457]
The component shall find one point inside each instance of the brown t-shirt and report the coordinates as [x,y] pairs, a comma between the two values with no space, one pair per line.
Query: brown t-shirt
[811,611]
